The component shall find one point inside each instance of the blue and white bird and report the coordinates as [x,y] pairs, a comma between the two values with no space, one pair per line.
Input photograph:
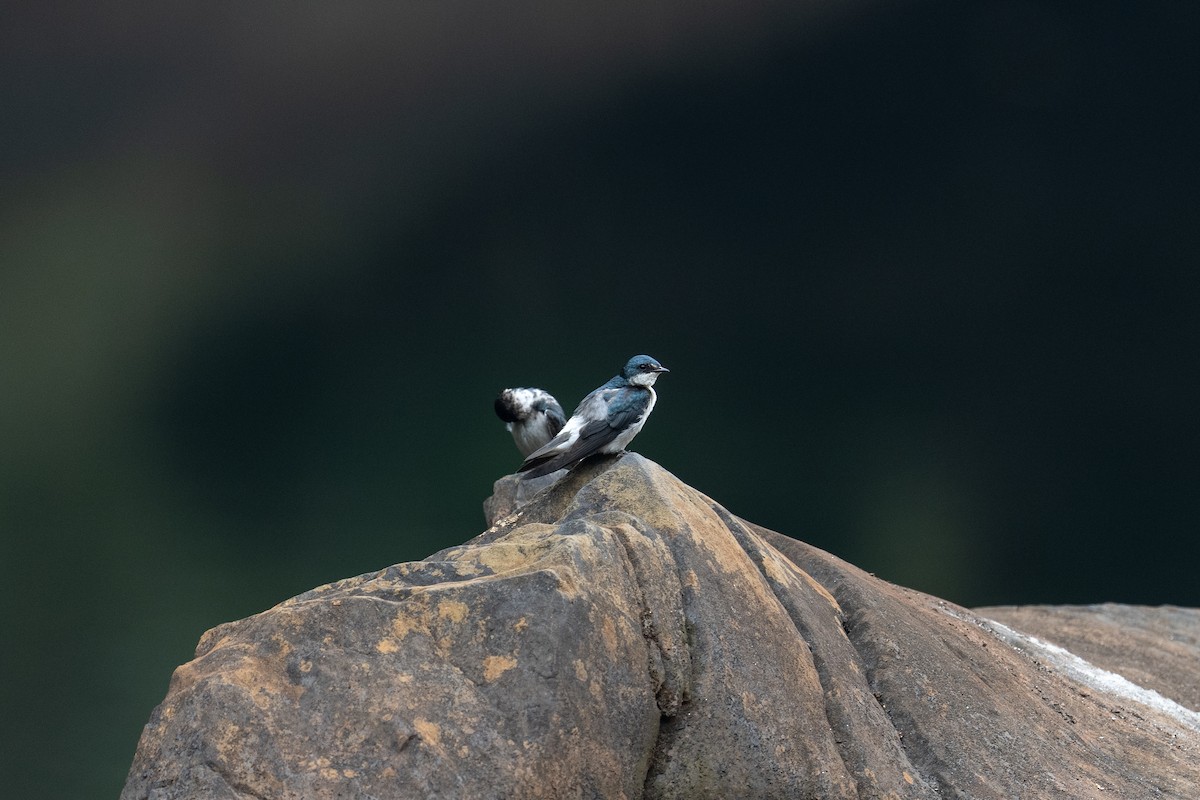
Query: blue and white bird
[605,422]
[532,416]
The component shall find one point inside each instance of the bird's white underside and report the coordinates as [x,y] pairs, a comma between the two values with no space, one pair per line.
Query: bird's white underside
[532,433]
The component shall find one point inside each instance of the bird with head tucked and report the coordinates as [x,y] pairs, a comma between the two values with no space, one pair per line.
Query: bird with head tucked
[532,416]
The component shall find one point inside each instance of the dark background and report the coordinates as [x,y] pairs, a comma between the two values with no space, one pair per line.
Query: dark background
[924,273]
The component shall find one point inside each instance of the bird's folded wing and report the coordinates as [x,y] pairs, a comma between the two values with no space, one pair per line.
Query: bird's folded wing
[624,408]
[612,410]
[592,437]
[554,417]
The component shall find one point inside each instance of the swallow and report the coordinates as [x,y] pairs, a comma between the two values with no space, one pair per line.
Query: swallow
[532,416]
[605,421]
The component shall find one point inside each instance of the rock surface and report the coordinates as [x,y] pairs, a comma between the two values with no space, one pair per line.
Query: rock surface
[1153,647]
[623,636]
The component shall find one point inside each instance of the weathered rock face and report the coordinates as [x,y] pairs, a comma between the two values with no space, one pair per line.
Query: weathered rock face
[1154,647]
[623,636]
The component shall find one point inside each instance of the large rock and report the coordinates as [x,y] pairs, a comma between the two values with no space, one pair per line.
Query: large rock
[621,636]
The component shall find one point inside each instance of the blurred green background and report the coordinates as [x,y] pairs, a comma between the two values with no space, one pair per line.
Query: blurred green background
[924,273]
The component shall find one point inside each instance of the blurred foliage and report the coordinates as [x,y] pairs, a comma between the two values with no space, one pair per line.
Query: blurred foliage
[924,276]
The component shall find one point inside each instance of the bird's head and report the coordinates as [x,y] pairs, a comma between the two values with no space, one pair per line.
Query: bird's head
[642,370]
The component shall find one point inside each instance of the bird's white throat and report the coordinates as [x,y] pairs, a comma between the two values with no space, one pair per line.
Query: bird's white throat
[646,379]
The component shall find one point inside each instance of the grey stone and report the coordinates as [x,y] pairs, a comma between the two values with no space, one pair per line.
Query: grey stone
[618,634]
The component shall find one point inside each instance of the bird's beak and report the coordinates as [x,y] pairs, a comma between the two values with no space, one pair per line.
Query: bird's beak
[661,368]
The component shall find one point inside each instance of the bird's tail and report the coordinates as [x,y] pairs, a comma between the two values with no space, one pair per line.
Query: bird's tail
[537,467]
